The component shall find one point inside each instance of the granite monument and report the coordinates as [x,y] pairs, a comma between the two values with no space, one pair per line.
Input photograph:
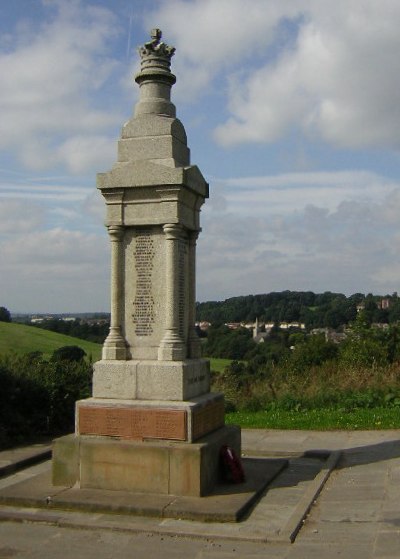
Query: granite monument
[152,425]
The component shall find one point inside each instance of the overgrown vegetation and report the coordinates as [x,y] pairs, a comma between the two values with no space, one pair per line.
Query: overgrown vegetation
[37,396]
[315,375]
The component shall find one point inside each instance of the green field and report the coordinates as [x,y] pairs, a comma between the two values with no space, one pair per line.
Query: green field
[21,339]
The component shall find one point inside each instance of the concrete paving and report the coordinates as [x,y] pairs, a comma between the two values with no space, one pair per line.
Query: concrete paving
[353,512]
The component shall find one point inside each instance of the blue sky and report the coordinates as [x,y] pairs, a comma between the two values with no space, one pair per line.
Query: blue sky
[292,114]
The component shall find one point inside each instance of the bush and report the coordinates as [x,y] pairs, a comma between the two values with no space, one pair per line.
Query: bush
[314,350]
[68,353]
[5,315]
[38,397]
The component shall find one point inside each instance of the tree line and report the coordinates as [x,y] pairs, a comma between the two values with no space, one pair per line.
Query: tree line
[314,310]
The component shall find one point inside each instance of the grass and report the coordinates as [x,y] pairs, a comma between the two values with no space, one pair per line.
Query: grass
[318,419]
[22,339]
[219,365]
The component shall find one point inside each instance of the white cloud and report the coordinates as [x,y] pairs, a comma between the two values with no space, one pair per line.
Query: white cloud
[301,231]
[82,152]
[280,194]
[19,217]
[211,35]
[94,205]
[30,191]
[330,69]
[55,270]
[49,78]
[340,81]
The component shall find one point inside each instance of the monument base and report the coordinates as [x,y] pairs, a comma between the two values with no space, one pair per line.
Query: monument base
[158,467]
[151,380]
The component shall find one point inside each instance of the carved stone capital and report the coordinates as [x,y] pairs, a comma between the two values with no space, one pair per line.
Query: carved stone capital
[116,232]
[173,231]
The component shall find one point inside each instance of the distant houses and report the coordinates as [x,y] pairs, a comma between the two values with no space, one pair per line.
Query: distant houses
[261,330]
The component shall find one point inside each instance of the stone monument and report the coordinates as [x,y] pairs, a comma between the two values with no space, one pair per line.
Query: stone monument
[152,424]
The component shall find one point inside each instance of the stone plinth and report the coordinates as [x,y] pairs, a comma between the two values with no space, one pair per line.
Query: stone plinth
[175,468]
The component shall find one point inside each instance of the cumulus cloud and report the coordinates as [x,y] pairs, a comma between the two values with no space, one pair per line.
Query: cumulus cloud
[213,35]
[330,69]
[271,70]
[339,82]
[54,270]
[280,232]
[49,77]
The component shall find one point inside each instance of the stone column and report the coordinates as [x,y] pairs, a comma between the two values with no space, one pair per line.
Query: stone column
[114,346]
[172,347]
[194,341]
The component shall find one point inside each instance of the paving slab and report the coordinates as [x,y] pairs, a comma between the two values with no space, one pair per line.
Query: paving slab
[322,532]
[51,542]
[270,520]
[387,544]
[14,459]
[357,514]
[330,551]
[228,503]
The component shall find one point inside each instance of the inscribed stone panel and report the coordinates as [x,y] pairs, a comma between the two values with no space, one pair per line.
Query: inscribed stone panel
[128,423]
[145,290]
[208,418]
[183,287]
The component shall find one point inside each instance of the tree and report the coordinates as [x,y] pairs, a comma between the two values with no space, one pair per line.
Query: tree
[312,351]
[367,346]
[5,315]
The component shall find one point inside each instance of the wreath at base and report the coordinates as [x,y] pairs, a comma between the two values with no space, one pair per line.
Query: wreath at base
[230,466]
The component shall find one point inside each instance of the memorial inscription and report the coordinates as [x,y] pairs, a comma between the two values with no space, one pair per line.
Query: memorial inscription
[182,254]
[143,305]
[125,423]
[208,418]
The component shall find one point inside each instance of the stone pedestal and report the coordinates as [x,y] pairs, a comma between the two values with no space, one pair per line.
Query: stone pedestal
[152,425]
[172,468]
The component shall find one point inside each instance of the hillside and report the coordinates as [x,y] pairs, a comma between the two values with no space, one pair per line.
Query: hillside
[19,338]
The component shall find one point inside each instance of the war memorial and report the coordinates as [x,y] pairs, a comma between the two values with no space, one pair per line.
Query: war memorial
[152,424]
[144,463]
